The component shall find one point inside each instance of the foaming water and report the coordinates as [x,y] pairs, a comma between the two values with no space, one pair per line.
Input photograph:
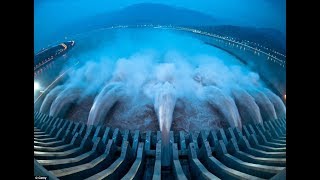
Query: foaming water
[164,104]
[185,81]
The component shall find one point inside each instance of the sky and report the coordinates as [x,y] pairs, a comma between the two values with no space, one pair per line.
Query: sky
[52,15]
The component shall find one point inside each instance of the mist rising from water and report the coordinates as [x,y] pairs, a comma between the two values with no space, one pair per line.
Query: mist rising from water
[160,68]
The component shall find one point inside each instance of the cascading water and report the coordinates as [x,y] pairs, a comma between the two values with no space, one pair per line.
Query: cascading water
[247,107]
[279,107]
[50,97]
[154,82]
[224,104]
[164,103]
[108,96]
[265,105]
[64,100]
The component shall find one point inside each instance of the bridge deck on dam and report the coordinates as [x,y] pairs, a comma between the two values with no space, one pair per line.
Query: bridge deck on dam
[66,149]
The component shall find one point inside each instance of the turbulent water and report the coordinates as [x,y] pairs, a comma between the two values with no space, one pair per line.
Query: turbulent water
[164,103]
[109,95]
[161,80]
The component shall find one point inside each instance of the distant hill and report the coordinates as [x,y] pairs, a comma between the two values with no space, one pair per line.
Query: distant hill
[146,13]
[151,13]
